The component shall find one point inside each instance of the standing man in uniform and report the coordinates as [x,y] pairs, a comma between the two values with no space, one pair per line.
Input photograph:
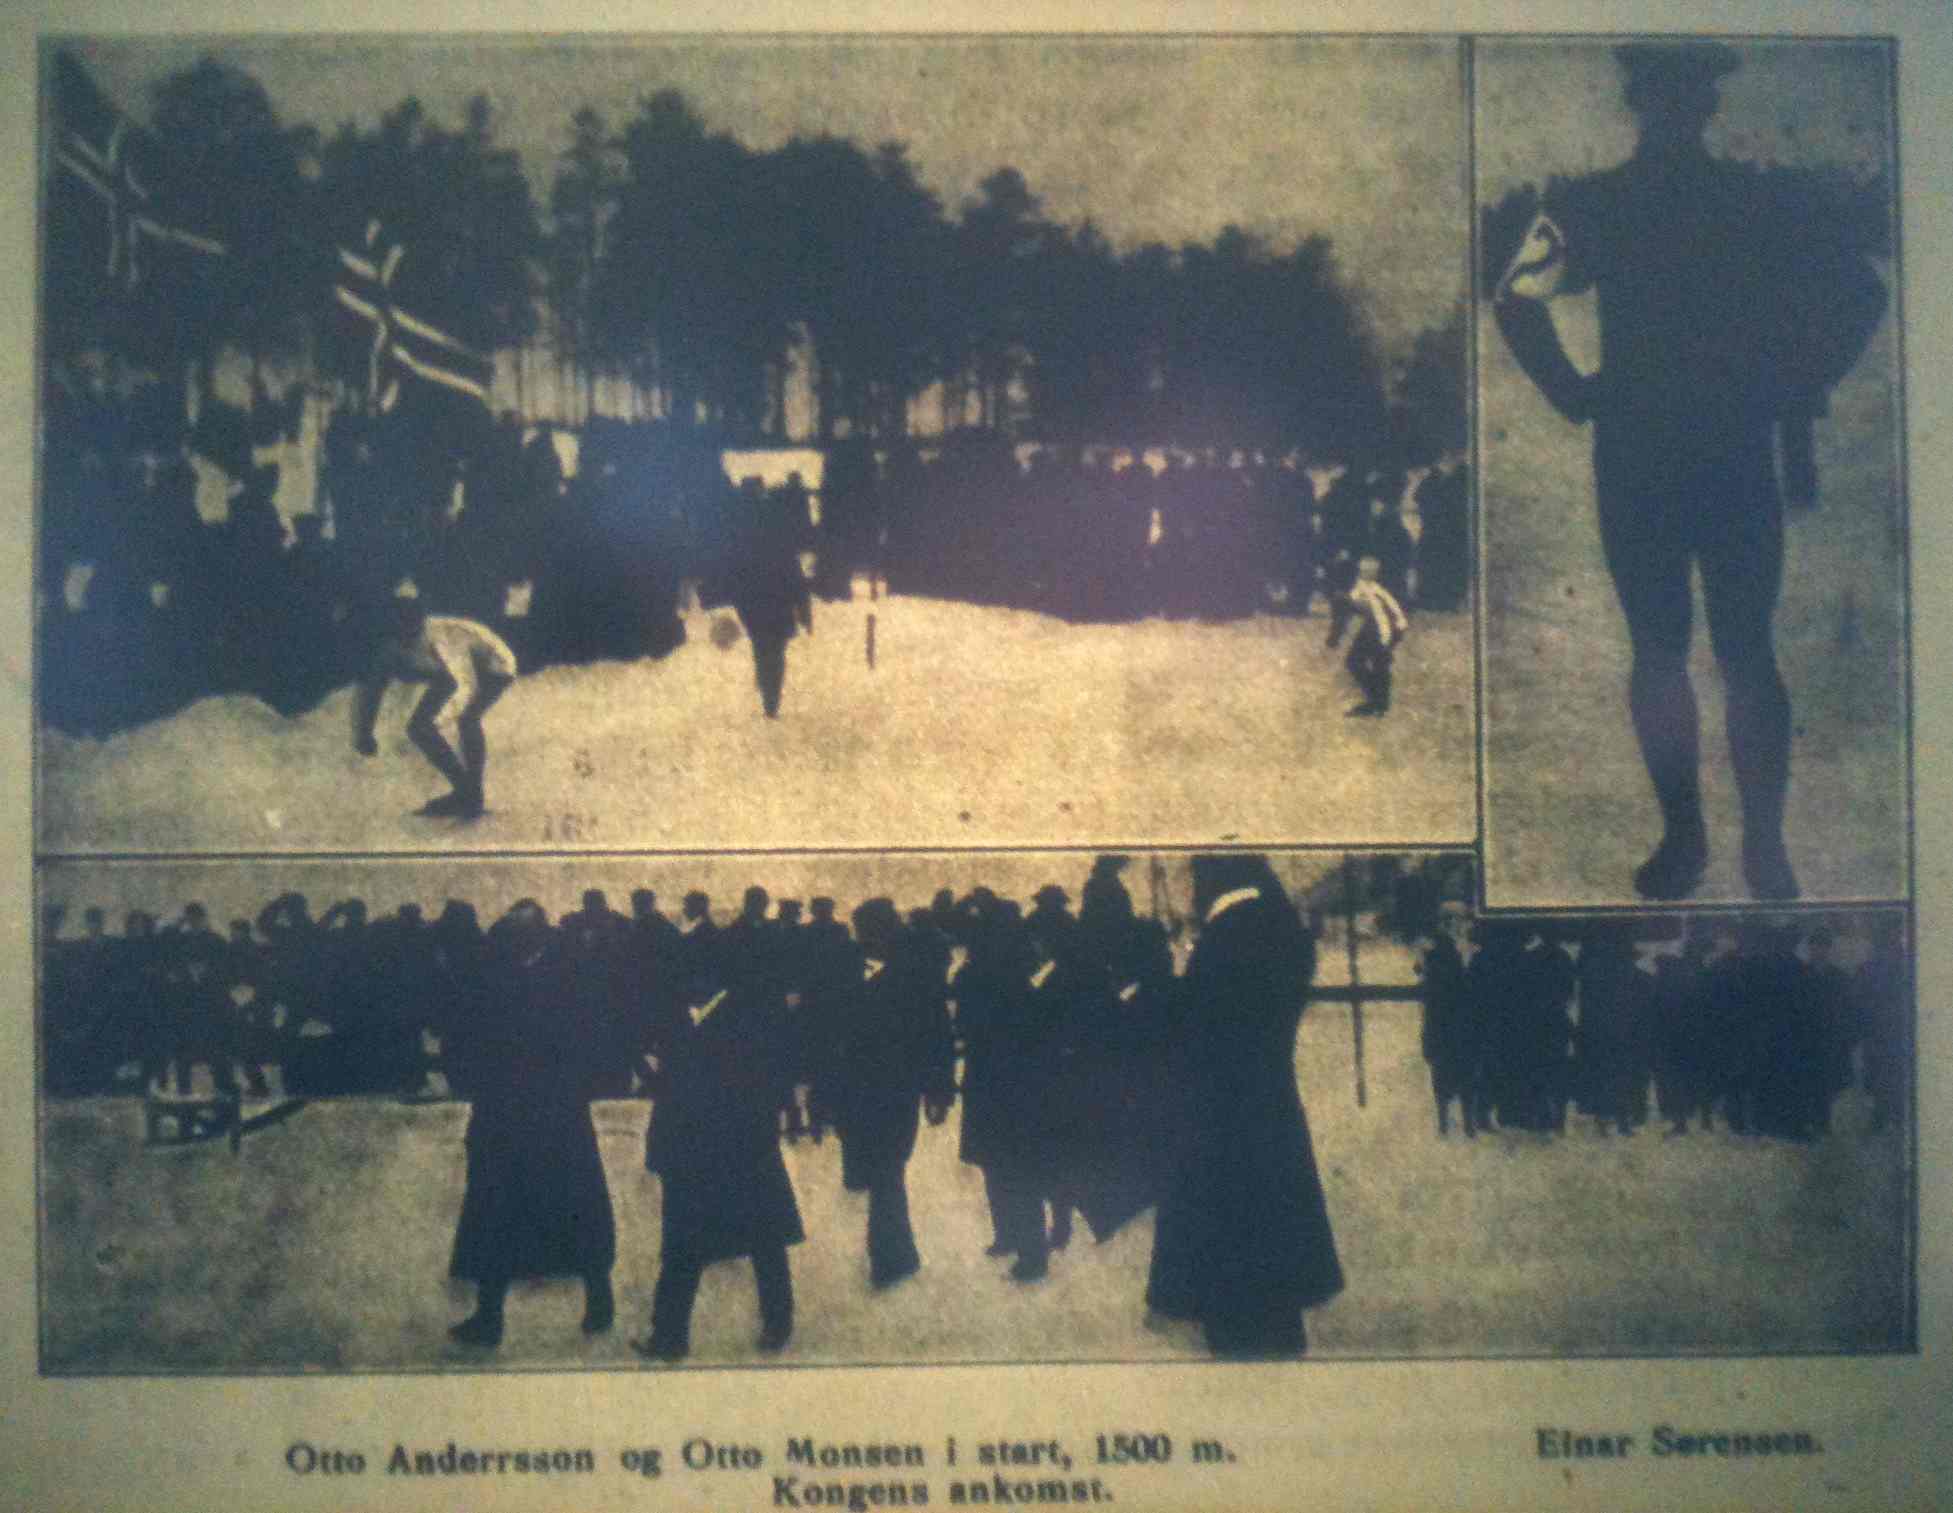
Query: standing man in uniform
[465,665]
[1727,311]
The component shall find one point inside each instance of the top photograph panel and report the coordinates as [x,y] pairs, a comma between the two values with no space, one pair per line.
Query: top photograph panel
[713,443]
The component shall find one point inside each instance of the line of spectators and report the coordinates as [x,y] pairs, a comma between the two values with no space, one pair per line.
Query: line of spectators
[1750,1023]
[146,606]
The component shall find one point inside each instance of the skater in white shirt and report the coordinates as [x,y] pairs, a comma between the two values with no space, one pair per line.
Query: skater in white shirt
[465,665]
[1380,625]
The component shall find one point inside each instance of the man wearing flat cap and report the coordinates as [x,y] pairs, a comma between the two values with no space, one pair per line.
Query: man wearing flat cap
[1731,301]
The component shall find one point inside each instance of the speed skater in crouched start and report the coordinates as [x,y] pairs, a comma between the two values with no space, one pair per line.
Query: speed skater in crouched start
[465,666]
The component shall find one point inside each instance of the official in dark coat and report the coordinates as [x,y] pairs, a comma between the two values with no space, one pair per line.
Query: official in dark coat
[767,588]
[1452,1039]
[714,1139]
[892,1061]
[1110,988]
[1614,1046]
[1243,1241]
[1004,1036]
[537,1202]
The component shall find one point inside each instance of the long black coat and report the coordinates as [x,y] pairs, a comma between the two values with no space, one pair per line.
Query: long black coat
[1243,1225]
[537,1202]
[1006,1059]
[1111,1121]
[715,1134]
[1450,1037]
[893,1047]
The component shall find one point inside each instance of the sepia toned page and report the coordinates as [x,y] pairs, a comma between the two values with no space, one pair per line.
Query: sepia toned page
[855,759]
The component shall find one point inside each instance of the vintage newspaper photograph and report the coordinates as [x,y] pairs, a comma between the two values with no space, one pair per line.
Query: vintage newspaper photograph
[954,465]
[878,760]
[1694,518]
[951,1108]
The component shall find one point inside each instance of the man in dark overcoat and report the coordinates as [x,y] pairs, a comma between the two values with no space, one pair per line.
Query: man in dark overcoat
[195,1004]
[1451,1039]
[1496,980]
[1681,1039]
[603,986]
[1547,985]
[1614,1045]
[1788,1066]
[656,958]
[1828,986]
[892,1061]
[537,1202]
[1004,1041]
[1243,1241]
[767,589]
[714,1140]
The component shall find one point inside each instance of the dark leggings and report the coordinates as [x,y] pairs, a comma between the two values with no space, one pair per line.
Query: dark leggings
[1665,505]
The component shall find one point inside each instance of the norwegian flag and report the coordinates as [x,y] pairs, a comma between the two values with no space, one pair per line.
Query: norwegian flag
[107,158]
[399,340]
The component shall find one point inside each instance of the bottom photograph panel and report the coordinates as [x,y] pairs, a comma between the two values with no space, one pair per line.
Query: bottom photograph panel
[476,1115]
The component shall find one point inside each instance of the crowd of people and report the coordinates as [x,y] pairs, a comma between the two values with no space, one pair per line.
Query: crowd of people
[1104,533]
[1739,1025]
[147,605]
[1091,1084]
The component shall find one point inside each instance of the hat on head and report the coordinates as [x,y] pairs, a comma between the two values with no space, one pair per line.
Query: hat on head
[1656,72]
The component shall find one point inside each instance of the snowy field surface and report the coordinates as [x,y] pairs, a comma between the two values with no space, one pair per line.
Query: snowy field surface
[974,726]
[323,1244]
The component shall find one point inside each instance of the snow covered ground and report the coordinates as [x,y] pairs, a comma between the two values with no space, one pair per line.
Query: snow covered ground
[974,727]
[323,1244]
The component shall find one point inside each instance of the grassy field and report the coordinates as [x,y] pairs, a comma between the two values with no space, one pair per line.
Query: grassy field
[322,1245]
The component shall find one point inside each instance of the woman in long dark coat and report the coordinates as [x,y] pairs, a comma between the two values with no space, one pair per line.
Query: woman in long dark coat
[1243,1242]
[724,1071]
[537,1202]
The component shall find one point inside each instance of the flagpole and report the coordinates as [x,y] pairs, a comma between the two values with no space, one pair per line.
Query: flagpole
[1355,984]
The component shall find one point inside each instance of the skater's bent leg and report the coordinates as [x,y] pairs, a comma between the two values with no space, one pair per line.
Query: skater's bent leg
[424,731]
[474,741]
